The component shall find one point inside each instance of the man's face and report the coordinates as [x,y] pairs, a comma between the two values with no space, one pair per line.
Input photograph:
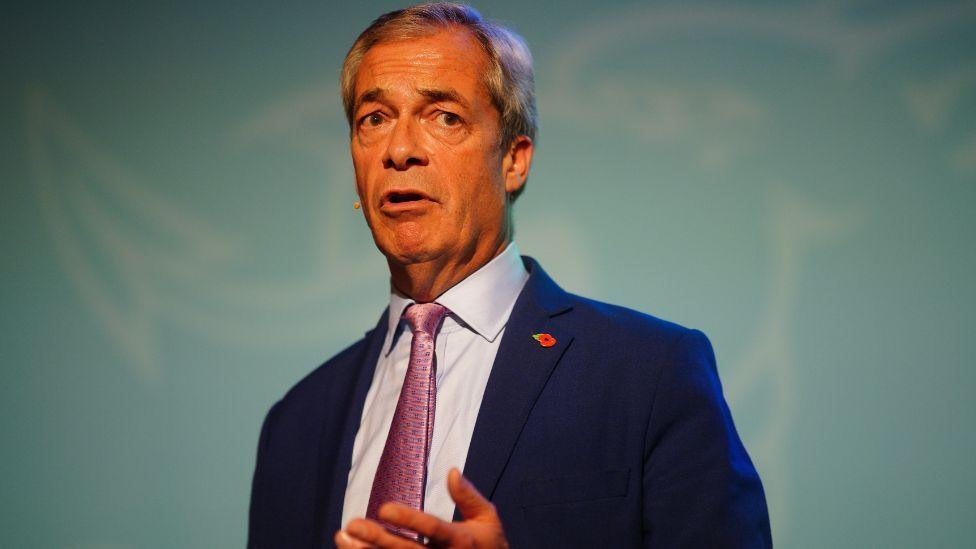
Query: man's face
[425,146]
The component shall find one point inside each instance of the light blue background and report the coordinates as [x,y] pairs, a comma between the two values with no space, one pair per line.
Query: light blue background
[797,179]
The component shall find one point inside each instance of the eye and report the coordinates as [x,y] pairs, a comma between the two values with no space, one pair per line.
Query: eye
[372,119]
[449,119]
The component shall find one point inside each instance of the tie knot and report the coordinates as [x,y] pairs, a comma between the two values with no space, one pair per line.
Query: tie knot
[424,317]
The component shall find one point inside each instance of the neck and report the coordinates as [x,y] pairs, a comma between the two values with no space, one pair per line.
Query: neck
[425,281]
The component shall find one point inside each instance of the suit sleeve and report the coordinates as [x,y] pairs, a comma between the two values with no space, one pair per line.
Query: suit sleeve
[699,487]
[260,516]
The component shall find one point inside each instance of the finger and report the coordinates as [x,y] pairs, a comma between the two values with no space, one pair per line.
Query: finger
[343,540]
[375,535]
[469,500]
[416,520]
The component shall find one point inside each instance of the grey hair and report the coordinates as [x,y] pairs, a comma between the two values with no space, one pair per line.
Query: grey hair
[509,77]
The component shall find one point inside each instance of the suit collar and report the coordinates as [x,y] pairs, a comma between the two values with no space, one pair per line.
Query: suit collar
[541,292]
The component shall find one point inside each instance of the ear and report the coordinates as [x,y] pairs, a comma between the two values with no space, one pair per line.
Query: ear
[516,163]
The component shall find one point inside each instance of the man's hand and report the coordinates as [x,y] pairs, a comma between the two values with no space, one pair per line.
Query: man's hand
[481,527]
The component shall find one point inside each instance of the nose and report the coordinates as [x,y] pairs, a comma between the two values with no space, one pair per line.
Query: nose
[404,149]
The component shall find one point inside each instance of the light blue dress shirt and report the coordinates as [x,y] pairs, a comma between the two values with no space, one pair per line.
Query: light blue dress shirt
[465,351]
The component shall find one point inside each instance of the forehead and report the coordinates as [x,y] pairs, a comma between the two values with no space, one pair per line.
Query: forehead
[447,58]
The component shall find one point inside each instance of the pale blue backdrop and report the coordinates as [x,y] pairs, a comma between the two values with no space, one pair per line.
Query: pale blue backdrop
[797,179]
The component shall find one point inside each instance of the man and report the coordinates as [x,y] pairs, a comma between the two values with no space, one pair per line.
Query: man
[576,423]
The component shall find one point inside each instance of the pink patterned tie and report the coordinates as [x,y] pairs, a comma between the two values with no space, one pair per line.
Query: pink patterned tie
[401,476]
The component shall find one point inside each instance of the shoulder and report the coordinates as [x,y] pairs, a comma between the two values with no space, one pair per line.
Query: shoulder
[640,349]
[615,324]
[611,327]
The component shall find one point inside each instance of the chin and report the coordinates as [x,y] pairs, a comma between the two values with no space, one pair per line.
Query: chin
[409,247]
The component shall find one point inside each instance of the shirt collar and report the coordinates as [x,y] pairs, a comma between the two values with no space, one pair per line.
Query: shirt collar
[483,301]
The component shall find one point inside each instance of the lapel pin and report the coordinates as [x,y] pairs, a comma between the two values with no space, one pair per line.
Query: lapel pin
[546,340]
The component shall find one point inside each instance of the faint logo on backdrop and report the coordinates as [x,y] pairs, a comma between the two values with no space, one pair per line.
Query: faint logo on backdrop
[720,124]
[935,103]
[139,259]
[720,121]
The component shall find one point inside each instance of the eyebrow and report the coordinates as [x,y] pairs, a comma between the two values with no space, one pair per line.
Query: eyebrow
[448,95]
[370,95]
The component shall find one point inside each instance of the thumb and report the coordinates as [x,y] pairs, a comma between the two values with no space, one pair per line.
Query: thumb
[469,500]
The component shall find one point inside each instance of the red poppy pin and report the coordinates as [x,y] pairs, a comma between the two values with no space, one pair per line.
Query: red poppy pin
[546,340]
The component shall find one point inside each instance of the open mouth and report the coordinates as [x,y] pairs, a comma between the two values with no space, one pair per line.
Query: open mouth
[399,198]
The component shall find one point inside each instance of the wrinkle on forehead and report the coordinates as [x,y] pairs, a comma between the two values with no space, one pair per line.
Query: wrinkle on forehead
[424,60]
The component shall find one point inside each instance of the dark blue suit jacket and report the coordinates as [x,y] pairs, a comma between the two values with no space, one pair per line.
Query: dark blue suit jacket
[616,436]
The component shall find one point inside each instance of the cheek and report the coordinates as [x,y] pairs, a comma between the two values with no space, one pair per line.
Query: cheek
[364,181]
[480,200]
[490,189]
[362,156]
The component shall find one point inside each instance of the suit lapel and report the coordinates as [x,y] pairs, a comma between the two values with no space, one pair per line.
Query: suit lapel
[520,372]
[362,381]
